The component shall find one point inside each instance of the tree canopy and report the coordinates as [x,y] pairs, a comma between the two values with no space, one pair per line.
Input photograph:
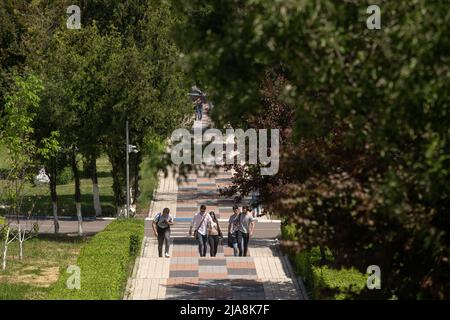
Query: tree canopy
[366,171]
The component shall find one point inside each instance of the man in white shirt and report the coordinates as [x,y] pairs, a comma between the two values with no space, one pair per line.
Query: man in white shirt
[200,225]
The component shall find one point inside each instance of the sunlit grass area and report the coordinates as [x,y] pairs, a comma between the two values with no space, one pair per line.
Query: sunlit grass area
[38,201]
[45,257]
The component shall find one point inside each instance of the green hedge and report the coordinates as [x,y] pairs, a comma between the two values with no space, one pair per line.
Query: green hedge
[337,284]
[322,281]
[105,263]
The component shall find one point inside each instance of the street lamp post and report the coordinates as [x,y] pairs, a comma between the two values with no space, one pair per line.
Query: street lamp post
[129,149]
[128,172]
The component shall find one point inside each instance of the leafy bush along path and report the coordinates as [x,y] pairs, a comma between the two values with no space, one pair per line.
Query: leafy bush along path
[321,280]
[105,263]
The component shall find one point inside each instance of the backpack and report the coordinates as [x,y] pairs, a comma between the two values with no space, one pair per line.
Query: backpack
[159,218]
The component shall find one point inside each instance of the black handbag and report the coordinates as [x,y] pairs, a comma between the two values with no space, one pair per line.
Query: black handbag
[230,240]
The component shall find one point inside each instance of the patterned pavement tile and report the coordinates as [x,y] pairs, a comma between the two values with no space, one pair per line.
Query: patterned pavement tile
[212,262]
[183,273]
[242,272]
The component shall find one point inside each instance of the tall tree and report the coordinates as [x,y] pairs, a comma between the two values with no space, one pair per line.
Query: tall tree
[368,178]
[16,134]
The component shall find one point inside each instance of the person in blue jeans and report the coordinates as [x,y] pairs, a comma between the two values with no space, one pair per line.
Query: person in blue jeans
[200,225]
[232,230]
[198,109]
[244,224]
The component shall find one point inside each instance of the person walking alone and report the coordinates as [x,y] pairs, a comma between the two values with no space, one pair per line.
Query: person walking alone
[200,224]
[214,234]
[161,227]
[199,109]
[244,225]
[256,203]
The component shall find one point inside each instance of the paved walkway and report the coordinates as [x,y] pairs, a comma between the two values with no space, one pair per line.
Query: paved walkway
[264,274]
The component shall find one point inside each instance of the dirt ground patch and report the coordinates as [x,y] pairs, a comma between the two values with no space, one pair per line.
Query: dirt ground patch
[41,276]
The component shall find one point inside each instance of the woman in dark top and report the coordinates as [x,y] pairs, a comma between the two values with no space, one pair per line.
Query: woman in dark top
[214,234]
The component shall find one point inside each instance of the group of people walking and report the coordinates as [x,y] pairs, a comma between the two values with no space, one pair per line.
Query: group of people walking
[205,228]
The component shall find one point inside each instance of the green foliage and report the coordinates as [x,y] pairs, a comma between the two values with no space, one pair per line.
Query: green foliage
[105,263]
[110,71]
[321,279]
[365,171]
[337,284]
[2,228]
[17,130]
[325,282]
[303,266]
[65,176]
[12,55]
[135,244]
[288,232]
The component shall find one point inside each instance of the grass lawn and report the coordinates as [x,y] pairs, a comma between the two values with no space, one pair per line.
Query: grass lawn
[66,205]
[45,257]
[40,196]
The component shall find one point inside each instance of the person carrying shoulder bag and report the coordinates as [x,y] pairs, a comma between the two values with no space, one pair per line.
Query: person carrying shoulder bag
[214,234]
[200,224]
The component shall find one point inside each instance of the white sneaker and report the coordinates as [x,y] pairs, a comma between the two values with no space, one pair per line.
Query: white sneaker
[167,255]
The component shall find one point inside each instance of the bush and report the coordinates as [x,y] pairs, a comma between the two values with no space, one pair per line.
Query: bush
[135,244]
[105,263]
[337,284]
[302,263]
[65,176]
[322,281]
[288,232]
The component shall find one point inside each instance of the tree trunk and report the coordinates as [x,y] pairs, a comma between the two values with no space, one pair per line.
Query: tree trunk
[80,219]
[54,195]
[95,188]
[76,175]
[5,249]
[96,195]
[136,171]
[117,160]
[55,216]
[21,242]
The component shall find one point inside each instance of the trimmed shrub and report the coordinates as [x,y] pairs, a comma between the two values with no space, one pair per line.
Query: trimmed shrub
[288,232]
[322,281]
[337,284]
[105,263]
[302,263]
[65,176]
[135,244]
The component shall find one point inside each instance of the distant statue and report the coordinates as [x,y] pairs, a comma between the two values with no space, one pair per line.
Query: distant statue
[41,178]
